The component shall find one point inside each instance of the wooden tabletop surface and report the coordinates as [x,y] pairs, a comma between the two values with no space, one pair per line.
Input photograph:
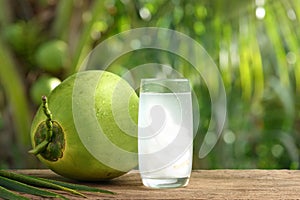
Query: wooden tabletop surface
[204,184]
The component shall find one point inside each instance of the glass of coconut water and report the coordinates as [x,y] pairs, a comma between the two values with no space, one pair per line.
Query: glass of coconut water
[165,132]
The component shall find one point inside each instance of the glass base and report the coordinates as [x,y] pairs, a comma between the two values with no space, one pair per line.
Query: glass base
[165,182]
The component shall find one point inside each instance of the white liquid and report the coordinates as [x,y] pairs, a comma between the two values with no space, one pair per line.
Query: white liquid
[165,138]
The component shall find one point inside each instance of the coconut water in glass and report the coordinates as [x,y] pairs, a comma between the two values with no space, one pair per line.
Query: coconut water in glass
[165,132]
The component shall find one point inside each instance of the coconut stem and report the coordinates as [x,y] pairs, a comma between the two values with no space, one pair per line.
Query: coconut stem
[49,118]
[41,147]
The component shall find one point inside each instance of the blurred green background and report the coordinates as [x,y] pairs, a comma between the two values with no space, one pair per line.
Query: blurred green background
[255,44]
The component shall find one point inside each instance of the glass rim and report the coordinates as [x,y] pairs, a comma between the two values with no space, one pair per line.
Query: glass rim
[165,79]
[165,85]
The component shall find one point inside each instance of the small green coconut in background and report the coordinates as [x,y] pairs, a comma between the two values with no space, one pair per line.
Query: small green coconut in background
[52,55]
[43,86]
[87,127]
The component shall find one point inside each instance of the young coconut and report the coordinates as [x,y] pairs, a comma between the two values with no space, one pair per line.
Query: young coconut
[87,129]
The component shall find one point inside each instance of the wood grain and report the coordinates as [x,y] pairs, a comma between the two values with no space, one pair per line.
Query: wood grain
[204,184]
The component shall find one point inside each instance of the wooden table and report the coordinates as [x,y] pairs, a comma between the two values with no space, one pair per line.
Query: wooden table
[204,184]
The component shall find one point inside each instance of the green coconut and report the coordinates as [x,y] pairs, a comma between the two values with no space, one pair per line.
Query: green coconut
[52,55]
[87,127]
[43,86]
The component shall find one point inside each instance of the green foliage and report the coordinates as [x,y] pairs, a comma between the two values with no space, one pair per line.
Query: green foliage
[254,43]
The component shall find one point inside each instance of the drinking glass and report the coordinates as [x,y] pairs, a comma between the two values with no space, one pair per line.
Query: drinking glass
[165,132]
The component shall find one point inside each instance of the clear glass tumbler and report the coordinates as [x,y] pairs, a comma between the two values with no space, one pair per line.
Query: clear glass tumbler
[165,132]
